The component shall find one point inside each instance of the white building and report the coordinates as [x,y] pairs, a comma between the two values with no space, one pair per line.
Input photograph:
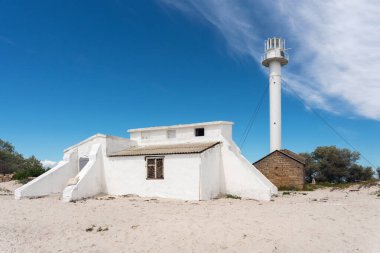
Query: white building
[189,162]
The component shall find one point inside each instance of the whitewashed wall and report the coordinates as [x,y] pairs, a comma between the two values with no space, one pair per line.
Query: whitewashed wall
[239,177]
[115,144]
[127,175]
[90,179]
[183,134]
[210,173]
[84,147]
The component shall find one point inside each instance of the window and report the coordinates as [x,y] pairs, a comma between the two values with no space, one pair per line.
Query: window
[199,132]
[144,135]
[171,134]
[155,167]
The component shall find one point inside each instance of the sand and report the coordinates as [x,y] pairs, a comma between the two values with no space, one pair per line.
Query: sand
[319,221]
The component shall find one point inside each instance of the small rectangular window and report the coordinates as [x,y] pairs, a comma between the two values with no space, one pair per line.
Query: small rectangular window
[144,136]
[155,167]
[199,132]
[171,134]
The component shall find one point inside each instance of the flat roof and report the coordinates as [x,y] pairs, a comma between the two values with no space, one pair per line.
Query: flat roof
[167,149]
[181,126]
[98,135]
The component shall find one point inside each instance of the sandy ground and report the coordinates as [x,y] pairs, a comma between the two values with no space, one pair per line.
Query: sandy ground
[318,221]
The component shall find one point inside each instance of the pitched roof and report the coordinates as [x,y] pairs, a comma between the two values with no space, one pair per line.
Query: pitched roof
[167,149]
[293,155]
[287,153]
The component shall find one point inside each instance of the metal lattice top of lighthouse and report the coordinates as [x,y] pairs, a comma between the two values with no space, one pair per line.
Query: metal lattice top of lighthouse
[275,51]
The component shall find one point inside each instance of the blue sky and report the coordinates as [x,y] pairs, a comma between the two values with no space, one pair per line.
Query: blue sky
[70,69]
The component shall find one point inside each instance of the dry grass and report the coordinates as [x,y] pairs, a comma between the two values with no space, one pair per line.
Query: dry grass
[341,186]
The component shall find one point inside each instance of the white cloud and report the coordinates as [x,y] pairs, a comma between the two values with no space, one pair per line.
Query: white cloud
[48,164]
[336,45]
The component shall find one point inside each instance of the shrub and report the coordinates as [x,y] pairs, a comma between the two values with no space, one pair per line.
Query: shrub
[26,173]
[230,196]
[359,173]
[13,162]
[335,165]
[309,187]
[287,188]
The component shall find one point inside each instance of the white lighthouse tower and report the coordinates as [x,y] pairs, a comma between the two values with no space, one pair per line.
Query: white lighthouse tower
[274,58]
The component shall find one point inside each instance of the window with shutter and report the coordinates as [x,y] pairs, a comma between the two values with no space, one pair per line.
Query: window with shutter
[159,168]
[155,167]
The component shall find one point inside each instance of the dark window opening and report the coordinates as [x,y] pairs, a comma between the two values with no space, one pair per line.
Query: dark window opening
[155,168]
[82,162]
[199,132]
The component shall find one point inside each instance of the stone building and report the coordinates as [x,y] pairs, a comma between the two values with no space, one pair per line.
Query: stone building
[283,168]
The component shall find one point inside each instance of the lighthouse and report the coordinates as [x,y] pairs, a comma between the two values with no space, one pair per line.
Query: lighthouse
[274,58]
[284,168]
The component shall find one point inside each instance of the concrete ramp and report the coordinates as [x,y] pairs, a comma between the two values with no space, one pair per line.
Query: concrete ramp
[53,181]
[89,181]
[241,178]
[80,174]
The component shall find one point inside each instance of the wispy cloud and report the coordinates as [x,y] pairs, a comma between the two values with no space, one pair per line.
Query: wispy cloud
[336,45]
[48,164]
[233,21]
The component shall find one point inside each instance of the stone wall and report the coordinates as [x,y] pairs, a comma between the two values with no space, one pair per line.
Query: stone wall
[282,171]
[5,177]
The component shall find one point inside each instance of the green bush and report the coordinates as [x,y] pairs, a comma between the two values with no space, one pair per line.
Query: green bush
[26,173]
[10,160]
[287,188]
[335,165]
[230,196]
[13,162]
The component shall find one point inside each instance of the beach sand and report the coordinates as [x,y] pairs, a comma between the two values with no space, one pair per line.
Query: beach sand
[320,221]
